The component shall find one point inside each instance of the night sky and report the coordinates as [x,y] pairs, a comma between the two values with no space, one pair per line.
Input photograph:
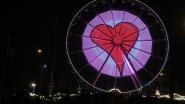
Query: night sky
[29,26]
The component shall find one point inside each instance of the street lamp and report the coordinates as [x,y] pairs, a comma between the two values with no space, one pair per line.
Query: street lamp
[39,51]
[33,85]
[161,74]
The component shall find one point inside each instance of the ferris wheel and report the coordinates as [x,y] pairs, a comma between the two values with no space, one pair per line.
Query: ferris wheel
[117,45]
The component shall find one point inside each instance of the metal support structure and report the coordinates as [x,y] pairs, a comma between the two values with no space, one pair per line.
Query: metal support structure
[51,83]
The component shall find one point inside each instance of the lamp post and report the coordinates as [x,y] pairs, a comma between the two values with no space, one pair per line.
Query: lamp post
[39,51]
[33,85]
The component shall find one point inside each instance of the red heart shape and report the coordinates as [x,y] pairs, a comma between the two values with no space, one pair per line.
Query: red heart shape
[117,41]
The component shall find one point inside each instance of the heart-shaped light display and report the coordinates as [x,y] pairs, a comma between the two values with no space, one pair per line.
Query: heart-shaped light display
[116,37]
[123,31]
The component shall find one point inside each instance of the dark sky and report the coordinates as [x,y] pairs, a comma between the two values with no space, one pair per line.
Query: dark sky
[30,26]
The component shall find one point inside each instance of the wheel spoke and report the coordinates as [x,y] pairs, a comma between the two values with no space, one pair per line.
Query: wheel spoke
[123,16]
[99,72]
[113,20]
[91,61]
[142,65]
[115,78]
[158,57]
[77,51]
[139,30]
[134,76]
[95,28]
[132,23]
[90,37]
[103,22]
[155,40]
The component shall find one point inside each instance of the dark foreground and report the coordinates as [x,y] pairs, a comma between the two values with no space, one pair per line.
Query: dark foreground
[90,99]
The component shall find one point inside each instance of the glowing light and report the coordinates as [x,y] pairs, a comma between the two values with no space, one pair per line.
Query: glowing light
[44,65]
[161,74]
[33,84]
[114,90]
[157,93]
[32,94]
[176,96]
[72,95]
[39,51]
[127,39]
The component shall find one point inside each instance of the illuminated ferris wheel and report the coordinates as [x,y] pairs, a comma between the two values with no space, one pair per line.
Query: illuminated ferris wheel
[117,45]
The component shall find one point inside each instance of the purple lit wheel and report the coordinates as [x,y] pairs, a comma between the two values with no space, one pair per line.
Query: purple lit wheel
[117,45]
